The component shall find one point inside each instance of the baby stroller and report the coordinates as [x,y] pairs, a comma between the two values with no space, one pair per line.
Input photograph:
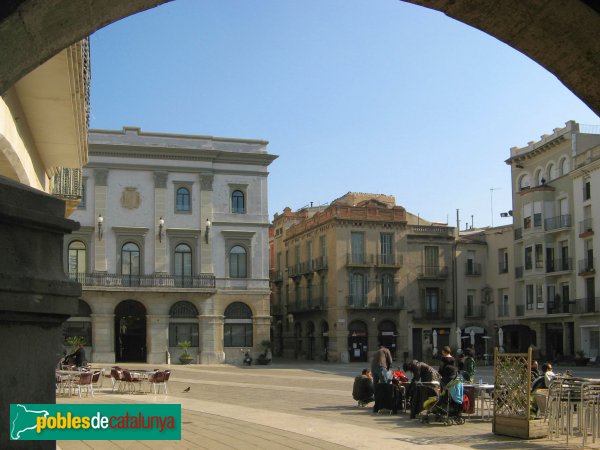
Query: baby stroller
[447,407]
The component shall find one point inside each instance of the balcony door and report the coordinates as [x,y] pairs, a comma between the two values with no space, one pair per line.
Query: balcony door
[130,332]
[130,264]
[357,242]
[77,260]
[432,261]
[183,266]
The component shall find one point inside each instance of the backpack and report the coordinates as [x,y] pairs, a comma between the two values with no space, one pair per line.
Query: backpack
[466,404]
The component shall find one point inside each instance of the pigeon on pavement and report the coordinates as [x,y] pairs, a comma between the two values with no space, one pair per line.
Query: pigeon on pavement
[187,389]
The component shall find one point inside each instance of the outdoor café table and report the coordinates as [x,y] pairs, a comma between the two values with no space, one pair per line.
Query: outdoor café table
[483,399]
[143,375]
[68,377]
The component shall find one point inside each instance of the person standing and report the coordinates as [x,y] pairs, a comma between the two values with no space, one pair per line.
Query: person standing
[380,365]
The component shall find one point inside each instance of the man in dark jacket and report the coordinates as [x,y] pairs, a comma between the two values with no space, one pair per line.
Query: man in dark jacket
[380,365]
[79,356]
[362,391]
[422,373]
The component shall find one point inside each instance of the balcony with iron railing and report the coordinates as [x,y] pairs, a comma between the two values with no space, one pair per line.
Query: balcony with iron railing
[294,270]
[275,275]
[359,260]
[519,272]
[67,185]
[586,227]
[503,310]
[474,311]
[472,269]
[155,281]
[587,305]
[518,233]
[320,263]
[428,315]
[586,266]
[558,222]
[317,303]
[558,265]
[502,267]
[520,310]
[432,271]
[306,267]
[388,302]
[558,306]
[357,301]
[389,261]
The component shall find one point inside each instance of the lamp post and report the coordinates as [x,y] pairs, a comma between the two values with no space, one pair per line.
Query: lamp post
[100,222]
[206,230]
[161,224]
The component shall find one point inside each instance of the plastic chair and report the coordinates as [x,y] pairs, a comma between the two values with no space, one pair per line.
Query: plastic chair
[130,381]
[157,379]
[85,380]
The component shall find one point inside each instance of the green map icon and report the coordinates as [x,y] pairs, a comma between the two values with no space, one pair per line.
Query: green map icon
[23,419]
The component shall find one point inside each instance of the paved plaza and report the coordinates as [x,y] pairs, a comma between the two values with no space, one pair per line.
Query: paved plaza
[295,405]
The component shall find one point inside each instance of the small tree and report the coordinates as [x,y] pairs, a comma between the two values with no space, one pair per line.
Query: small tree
[73,342]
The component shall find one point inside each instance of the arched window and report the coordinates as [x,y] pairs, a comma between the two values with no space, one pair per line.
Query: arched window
[551,175]
[539,176]
[524,182]
[183,324]
[130,264]
[237,262]
[238,204]
[387,290]
[238,326]
[79,325]
[183,266]
[564,166]
[77,260]
[182,202]
[358,290]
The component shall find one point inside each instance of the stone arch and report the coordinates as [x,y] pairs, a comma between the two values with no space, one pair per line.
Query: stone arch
[564,38]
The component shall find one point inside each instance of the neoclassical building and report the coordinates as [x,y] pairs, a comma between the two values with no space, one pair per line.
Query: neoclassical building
[173,246]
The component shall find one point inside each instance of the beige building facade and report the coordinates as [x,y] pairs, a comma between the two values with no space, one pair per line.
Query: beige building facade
[173,247]
[555,183]
[356,272]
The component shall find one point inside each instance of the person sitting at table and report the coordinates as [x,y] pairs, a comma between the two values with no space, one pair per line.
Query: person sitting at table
[79,356]
[447,368]
[548,374]
[468,365]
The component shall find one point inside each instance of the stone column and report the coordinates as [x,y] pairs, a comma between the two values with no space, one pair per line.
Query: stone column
[261,326]
[211,339]
[100,193]
[36,297]
[103,338]
[160,210]
[206,212]
[157,332]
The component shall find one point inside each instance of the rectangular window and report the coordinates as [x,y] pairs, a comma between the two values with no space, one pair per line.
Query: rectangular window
[502,260]
[539,256]
[470,310]
[237,335]
[537,220]
[529,296]
[323,246]
[385,244]
[432,261]
[432,302]
[527,222]
[587,190]
[528,258]
[505,305]
[358,248]
[539,299]
[78,328]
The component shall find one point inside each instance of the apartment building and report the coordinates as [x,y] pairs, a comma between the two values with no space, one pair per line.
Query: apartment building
[356,272]
[173,246]
[554,206]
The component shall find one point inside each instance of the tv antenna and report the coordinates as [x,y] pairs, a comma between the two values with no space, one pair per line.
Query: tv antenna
[492,202]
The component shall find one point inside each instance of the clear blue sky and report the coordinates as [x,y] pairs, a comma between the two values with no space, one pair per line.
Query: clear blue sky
[380,97]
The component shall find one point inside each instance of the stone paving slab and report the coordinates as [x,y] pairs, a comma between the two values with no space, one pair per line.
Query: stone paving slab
[298,407]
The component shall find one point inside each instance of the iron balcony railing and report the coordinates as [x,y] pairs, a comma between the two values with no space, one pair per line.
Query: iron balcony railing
[587,305]
[67,183]
[520,309]
[561,306]
[388,260]
[204,281]
[276,275]
[558,265]
[425,314]
[306,267]
[586,265]
[586,225]
[502,267]
[433,271]
[555,223]
[519,272]
[294,270]
[473,269]
[359,259]
[474,311]
[320,263]
[388,302]
[357,301]
[503,310]
[518,233]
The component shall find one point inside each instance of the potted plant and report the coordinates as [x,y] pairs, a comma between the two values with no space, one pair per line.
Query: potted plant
[265,357]
[185,357]
[581,359]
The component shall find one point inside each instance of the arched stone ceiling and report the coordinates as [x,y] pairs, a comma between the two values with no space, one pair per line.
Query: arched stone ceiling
[561,35]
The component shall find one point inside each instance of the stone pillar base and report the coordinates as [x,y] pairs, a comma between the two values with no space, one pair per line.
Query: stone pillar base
[344,357]
[156,357]
[212,357]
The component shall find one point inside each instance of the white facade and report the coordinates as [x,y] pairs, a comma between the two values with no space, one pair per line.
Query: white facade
[158,227]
